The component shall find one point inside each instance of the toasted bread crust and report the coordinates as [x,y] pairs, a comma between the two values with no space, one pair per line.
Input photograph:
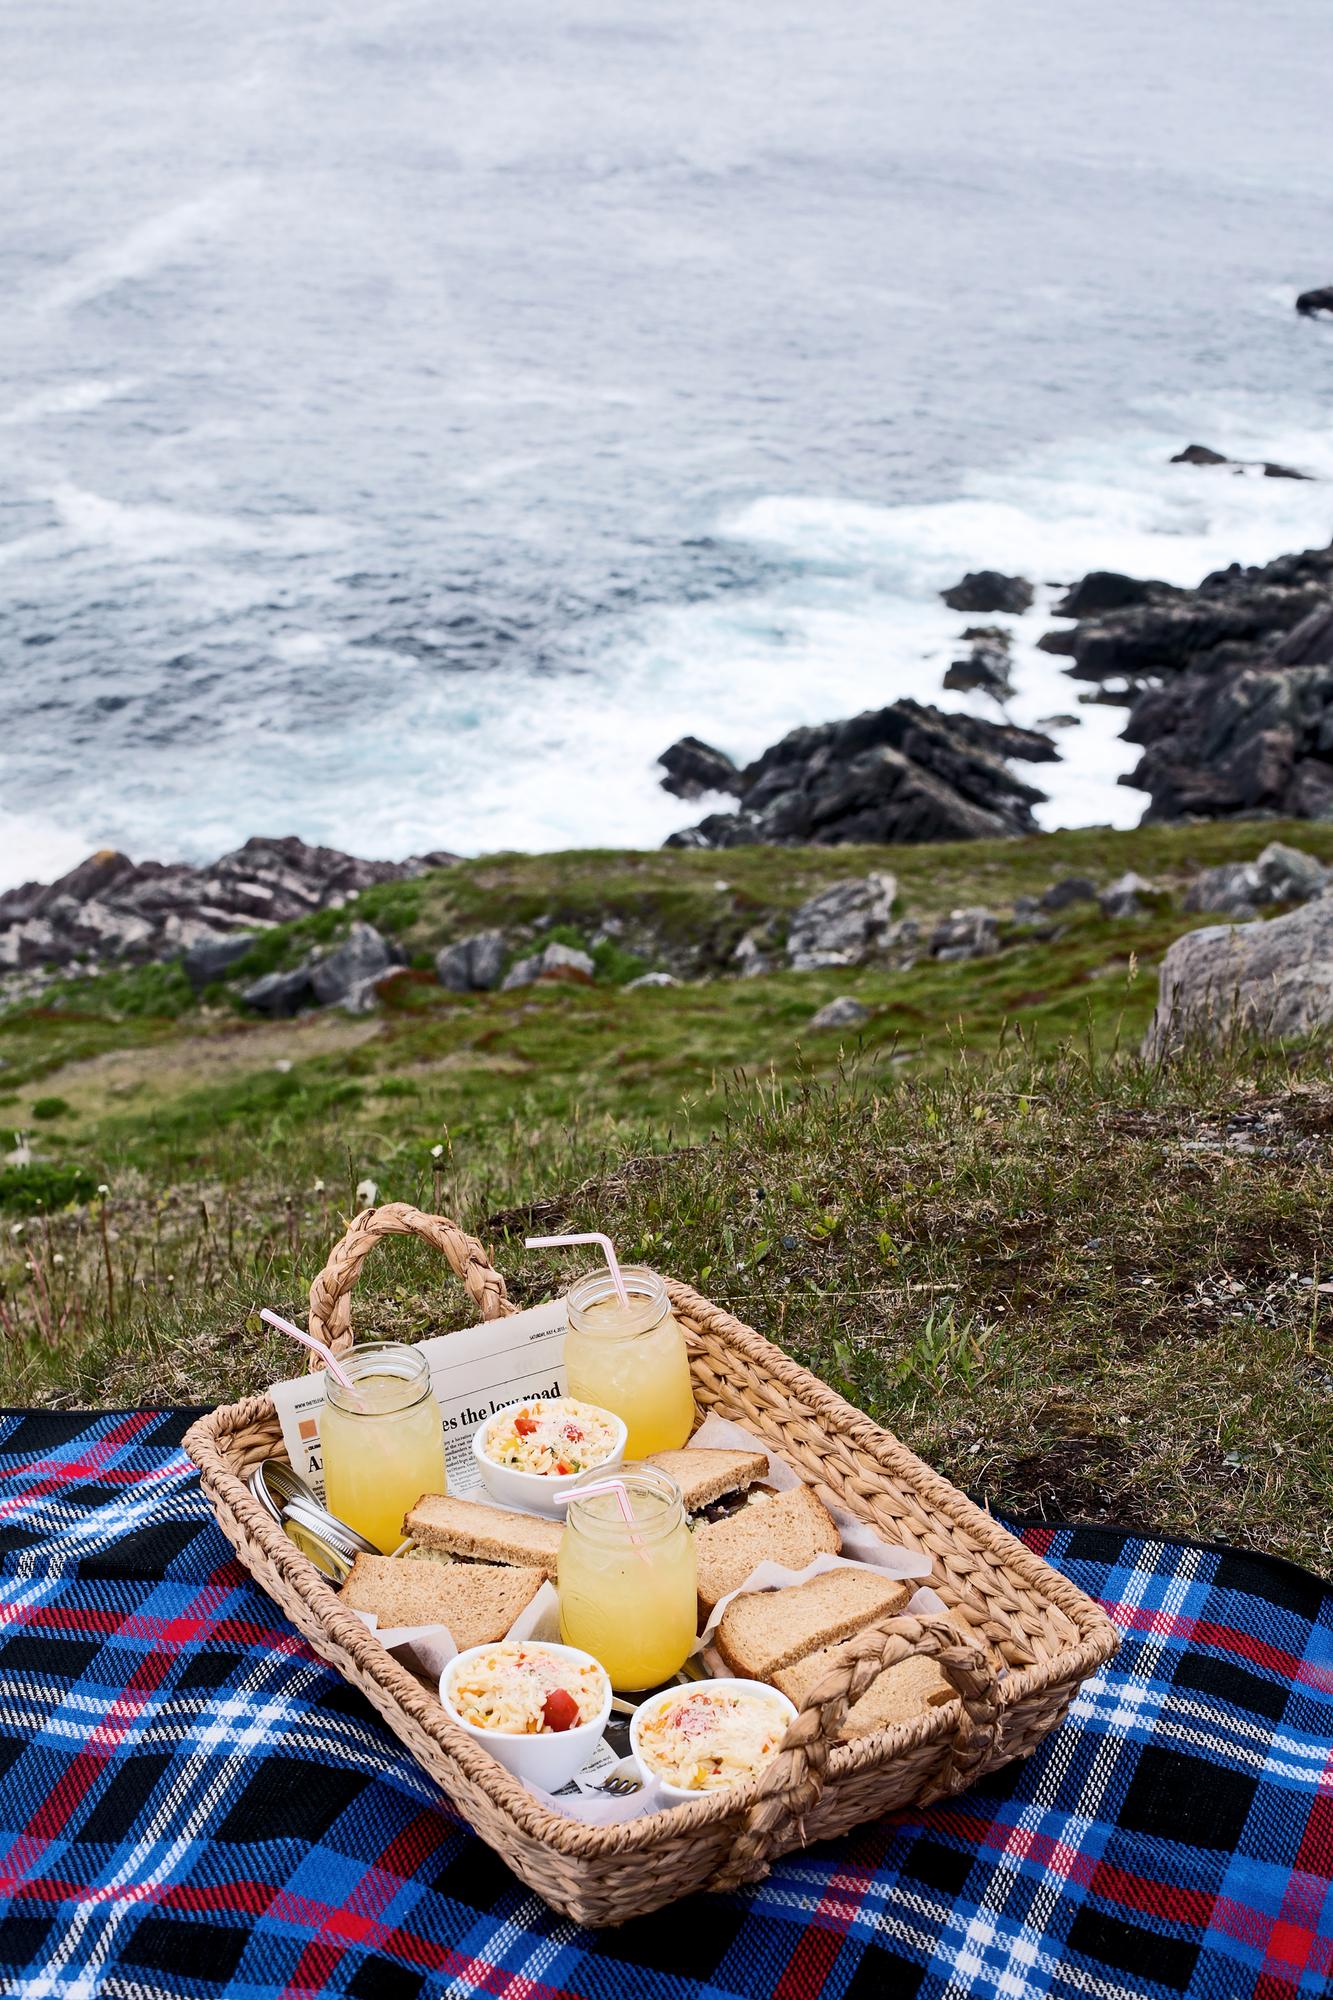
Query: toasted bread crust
[765,1631]
[792,1528]
[467,1528]
[477,1601]
[705,1474]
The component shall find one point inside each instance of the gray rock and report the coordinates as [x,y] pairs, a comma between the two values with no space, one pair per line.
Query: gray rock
[694,768]
[281,994]
[556,962]
[1122,899]
[650,979]
[751,956]
[844,1012]
[1268,979]
[1068,890]
[1233,890]
[988,590]
[970,933]
[1290,875]
[902,773]
[843,925]
[1104,590]
[472,964]
[213,957]
[1026,908]
[1242,888]
[348,976]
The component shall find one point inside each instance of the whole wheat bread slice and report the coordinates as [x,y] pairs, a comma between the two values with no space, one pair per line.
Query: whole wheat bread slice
[705,1475]
[477,1601]
[766,1630]
[896,1695]
[492,1534]
[792,1529]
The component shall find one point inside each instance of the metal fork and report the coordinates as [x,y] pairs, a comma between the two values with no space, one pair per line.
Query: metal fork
[620,1788]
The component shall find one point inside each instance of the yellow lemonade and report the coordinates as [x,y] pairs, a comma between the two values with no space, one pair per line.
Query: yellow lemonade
[631,1359]
[381,1458]
[632,1606]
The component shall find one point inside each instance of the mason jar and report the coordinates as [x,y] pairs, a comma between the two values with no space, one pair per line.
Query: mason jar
[631,1359]
[629,1591]
[382,1440]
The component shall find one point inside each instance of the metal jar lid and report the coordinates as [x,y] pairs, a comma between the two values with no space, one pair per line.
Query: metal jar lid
[273,1484]
[330,1543]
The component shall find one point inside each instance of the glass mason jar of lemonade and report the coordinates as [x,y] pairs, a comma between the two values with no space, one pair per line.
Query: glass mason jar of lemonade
[631,1359]
[628,1593]
[380,1457]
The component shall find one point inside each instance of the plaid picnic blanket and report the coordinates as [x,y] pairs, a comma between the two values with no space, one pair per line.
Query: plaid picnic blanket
[191,1804]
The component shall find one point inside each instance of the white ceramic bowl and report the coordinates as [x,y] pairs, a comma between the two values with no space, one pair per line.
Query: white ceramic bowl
[681,1795]
[548,1760]
[538,1492]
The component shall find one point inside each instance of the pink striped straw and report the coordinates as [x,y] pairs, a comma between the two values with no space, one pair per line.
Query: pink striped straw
[616,1486]
[604,1243]
[331,1361]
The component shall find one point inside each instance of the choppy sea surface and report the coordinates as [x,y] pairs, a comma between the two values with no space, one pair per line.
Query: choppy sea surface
[412,418]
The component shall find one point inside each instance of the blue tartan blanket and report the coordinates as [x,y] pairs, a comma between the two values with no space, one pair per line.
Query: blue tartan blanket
[191,1804]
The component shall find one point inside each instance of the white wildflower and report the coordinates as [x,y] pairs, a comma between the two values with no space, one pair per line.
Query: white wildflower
[367,1194]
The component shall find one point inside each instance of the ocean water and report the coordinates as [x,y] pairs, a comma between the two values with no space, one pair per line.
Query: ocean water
[413,418]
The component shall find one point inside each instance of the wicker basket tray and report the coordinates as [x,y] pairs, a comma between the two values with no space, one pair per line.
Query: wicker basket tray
[1010,1606]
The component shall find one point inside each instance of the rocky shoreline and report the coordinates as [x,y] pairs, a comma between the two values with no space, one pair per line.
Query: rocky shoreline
[1228,688]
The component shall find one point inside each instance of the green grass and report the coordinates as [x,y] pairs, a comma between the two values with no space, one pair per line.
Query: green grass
[1075,1284]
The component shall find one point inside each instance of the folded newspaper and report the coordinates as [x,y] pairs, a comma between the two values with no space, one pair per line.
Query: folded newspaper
[474,1373]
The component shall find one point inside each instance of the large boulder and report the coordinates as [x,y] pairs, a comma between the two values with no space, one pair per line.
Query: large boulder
[987,590]
[844,1012]
[348,977]
[212,957]
[281,994]
[1318,301]
[694,768]
[843,925]
[1267,979]
[559,962]
[472,964]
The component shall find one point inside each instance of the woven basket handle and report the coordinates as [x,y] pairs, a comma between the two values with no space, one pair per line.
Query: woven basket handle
[331,1293]
[796,1778]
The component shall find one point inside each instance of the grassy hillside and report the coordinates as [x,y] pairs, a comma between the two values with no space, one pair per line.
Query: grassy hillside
[1071,1283]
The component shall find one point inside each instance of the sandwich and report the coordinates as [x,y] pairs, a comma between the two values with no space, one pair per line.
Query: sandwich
[444,1530]
[790,1528]
[767,1630]
[477,1601]
[715,1483]
[894,1696]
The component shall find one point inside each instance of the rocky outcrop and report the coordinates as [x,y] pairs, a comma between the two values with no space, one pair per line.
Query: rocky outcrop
[1229,688]
[112,909]
[987,590]
[1202,454]
[1318,301]
[1103,590]
[1267,979]
[694,768]
[902,773]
